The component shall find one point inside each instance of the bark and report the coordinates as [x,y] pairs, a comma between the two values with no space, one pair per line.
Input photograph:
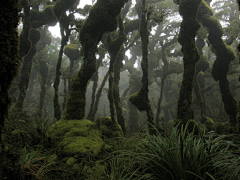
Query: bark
[225,54]
[91,33]
[140,99]
[57,109]
[94,88]
[114,70]
[8,54]
[98,95]
[26,69]
[189,27]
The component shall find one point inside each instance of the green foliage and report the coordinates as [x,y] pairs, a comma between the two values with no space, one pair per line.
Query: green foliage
[182,155]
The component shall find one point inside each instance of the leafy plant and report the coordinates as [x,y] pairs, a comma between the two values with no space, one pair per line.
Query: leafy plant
[183,155]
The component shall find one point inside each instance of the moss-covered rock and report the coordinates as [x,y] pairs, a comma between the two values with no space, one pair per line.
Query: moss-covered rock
[105,125]
[76,137]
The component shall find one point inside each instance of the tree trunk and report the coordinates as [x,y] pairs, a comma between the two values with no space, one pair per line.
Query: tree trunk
[189,27]
[90,34]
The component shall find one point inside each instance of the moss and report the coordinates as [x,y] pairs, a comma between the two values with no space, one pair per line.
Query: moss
[40,18]
[138,100]
[203,64]
[76,137]
[204,9]
[105,125]
[72,51]
[8,53]
[63,5]
[102,18]
[71,161]
[48,10]
[34,35]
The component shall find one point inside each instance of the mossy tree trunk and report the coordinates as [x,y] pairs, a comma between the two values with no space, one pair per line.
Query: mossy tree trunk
[98,96]
[115,48]
[8,53]
[26,69]
[116,94]
[201,67]
[140,99]
[91,33]
[25,43]
[43,68]
[90,115]
[239,75]
[133,117]
[65,32]
[189,26]
[164,76]
[239,63]
[225,54]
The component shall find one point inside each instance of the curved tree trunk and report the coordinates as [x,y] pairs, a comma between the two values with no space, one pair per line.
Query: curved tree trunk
[98,95]
[57,109]
[26,69]
[140,99]
[91,33]
[225,54]
[94,88]
[189,27]
[117,53]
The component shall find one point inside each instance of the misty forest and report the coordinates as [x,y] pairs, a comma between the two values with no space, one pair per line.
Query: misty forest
[131,90]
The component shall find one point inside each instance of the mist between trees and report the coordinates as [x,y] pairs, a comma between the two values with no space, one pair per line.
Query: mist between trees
[135,62]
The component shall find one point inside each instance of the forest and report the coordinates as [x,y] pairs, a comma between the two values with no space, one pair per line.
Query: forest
[131,90]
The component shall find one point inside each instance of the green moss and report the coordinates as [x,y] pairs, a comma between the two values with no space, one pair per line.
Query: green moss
[34,35]
[203,64]
[76,137]
[102,18]
[105,125]
[138,100]
[72,51]
[71,161]
[63,5]
[40,18]
[204,9]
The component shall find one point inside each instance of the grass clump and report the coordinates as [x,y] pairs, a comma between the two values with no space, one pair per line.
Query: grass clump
[183,155]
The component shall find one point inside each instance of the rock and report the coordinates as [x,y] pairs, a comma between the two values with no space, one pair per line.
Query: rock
[76,137]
